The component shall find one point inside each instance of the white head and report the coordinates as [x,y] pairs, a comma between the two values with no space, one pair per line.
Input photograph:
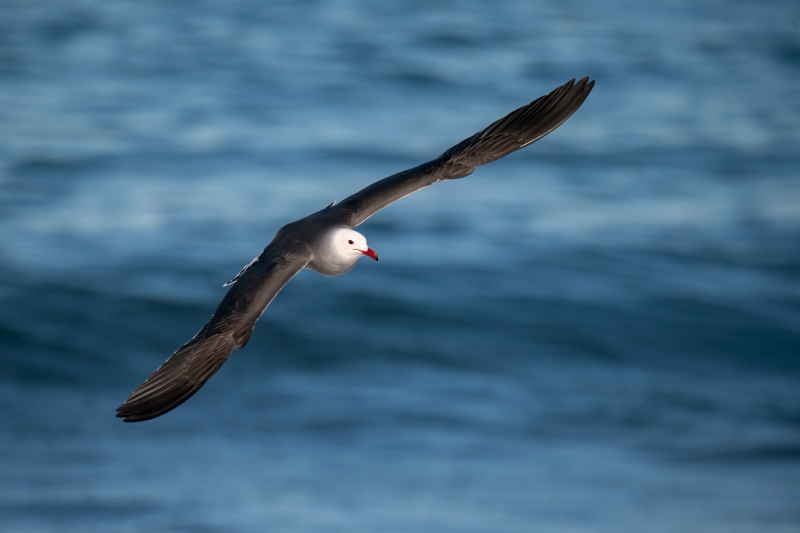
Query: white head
[338,251]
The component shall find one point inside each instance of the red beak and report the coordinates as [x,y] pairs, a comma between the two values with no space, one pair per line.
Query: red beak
[371,254]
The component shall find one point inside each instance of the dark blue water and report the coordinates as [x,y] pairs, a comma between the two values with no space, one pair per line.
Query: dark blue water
[600,333]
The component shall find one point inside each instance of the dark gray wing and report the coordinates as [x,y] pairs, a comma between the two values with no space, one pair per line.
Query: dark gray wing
[512,132]
[229,328]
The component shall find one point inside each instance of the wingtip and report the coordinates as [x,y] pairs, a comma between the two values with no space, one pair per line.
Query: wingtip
[124,412]
[130,413]
[587,82]
[124,417]
[579,89]
[128,419]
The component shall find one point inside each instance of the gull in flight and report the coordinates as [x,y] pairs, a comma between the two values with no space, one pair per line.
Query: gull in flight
[326,243]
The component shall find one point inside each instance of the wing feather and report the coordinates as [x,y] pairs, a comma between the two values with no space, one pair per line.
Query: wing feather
[229,328]
[512,132]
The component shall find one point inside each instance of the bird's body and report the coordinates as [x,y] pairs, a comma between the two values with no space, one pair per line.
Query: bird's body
[326,243]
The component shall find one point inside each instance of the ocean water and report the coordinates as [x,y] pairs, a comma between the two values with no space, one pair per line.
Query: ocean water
[599,333]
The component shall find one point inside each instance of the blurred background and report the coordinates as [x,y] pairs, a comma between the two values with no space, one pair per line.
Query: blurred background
[600,333]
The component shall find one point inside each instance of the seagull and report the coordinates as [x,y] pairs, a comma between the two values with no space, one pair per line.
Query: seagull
[325,242]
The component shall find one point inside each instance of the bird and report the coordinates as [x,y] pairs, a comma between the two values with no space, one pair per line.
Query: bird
[326,242]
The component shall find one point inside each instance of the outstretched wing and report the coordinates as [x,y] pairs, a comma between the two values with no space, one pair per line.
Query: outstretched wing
[512,132]
[229,328]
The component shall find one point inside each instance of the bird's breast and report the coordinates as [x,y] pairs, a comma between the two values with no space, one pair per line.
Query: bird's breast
[331,267]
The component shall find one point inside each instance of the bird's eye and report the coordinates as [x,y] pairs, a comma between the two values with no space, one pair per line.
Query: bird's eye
[350,241]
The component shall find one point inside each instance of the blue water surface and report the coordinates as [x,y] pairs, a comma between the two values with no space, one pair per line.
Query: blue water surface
[599,333]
